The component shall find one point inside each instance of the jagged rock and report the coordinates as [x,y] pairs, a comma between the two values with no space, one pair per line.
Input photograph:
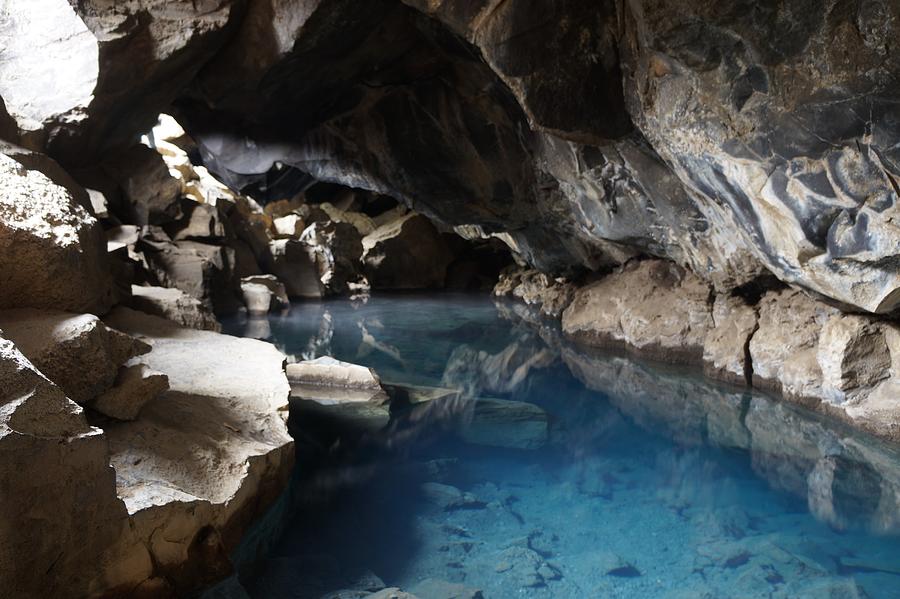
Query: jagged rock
[202,221]
[135,385]
[294,264]
[406,253]
[653,306]
[288,226]
[726,349]
[76,351]
[173,304]
[52,252]
[209,455]
[203,271]
[784,348]
[853,357]
[362,222]
[533,287]
[71,97]
[149,193]
[51,461]
[338,248]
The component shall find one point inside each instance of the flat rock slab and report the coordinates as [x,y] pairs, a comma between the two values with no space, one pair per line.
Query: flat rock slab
[205,457]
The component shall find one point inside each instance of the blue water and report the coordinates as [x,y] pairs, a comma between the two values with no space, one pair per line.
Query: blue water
[654,482]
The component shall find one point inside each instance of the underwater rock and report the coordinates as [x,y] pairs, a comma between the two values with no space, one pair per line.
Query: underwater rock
[504,423]
[448,497]
[78,352]
[173,304]
[433,588]
[52,252]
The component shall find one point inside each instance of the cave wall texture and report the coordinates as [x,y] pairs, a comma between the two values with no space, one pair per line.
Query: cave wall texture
[734,138]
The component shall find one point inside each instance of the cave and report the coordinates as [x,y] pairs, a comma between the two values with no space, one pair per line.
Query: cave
[449,299]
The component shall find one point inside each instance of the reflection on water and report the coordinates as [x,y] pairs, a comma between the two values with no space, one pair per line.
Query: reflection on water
[639,480]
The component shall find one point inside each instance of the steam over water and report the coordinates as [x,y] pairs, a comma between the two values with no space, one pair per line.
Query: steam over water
[552,471]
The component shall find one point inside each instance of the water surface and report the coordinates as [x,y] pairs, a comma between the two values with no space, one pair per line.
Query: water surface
[653,482]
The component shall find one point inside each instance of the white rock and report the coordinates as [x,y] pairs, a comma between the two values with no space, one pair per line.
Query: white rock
[209,453]
[173,304]
[288,226]
[135,385]
[76,351]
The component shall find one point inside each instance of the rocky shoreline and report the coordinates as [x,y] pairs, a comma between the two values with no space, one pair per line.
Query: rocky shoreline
[779,340]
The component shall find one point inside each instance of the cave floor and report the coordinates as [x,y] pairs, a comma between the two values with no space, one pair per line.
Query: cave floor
[653,482]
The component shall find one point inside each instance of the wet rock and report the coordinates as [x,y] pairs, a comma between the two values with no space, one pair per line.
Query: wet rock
[391,593]
[433,588]
[652,306]
[207,457]
[406,253]
[504,423]
[52,252]
[135,385]
[78,352]
[533,287]
[347,397]
[173,304]
[448,497]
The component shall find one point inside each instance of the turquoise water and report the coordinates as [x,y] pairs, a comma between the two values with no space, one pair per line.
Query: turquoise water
[652,482]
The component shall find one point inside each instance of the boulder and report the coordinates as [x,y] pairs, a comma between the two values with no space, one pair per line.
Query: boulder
[173,304]
[135,385]
[653,306]
[78,352]
[853,357]
[51,461]
[52,252]
[209,455]
[406,253]
[257,298]
[294,263]
[203,271]
[338,395]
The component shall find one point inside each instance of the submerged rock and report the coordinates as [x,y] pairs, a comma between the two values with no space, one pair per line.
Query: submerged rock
[505,423]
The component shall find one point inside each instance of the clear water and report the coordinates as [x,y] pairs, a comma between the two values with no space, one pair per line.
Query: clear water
[654,482]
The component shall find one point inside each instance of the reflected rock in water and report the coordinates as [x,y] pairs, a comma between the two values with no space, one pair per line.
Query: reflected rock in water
[848,480]
[258,327]
[475,372]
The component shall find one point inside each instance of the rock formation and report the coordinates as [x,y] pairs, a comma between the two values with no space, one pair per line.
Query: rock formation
[698,182]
